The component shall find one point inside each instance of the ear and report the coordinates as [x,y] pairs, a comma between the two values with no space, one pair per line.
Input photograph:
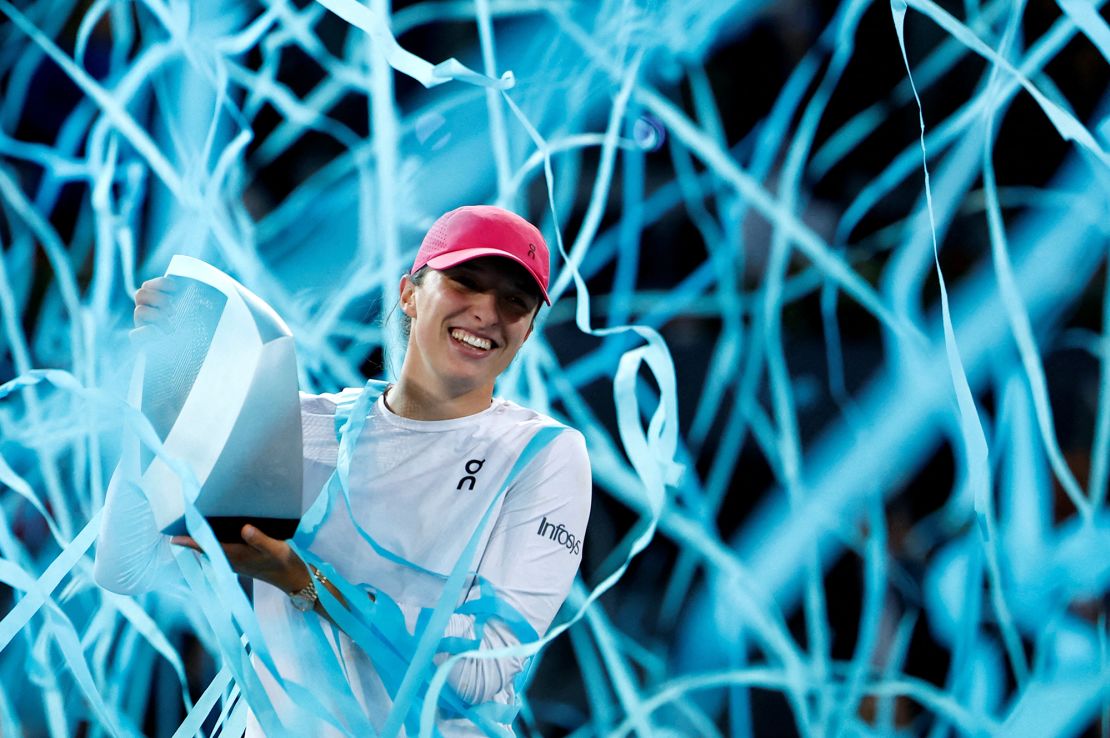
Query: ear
[407,291]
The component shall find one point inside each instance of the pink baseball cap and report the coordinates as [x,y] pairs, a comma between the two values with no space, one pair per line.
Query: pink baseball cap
[473,231]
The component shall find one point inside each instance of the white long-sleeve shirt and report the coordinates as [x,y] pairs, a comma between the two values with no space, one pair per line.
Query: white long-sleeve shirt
[419,489]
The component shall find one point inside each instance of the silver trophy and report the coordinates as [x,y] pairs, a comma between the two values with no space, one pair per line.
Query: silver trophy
[220,390]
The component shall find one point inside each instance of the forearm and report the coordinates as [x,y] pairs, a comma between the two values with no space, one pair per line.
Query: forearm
[475,679]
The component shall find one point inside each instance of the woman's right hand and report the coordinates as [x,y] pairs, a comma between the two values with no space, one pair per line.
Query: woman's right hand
[154,302]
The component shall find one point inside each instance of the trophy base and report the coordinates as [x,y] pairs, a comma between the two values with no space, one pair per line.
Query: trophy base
[227,529]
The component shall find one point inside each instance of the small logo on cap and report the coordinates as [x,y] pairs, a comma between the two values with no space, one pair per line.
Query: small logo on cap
[531,251]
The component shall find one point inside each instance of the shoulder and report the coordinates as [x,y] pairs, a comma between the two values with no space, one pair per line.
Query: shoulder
[556,451]
[529,422]
[323,414]
[511,412]
[327,403]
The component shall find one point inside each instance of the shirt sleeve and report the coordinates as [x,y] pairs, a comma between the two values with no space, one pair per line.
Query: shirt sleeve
[532,556]
[132,555]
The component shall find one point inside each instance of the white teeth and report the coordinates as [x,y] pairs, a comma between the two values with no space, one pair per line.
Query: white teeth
[471,340]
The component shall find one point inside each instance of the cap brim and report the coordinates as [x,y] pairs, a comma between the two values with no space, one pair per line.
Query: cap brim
[454,258]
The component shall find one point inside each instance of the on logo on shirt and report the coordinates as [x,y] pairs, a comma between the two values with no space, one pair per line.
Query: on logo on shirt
[473,466]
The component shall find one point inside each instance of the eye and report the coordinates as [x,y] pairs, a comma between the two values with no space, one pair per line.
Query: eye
[517,304]
[517,299]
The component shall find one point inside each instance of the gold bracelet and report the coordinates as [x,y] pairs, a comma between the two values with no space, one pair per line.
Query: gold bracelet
[319,575]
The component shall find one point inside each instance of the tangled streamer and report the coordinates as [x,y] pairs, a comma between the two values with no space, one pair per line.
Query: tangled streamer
[830,308]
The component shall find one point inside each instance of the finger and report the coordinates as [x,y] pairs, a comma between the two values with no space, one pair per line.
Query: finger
[152,297]
[163,301]
[146,315]
[244,560]
[164,285]
[239,554]
[156,300]
[252,562]
[187,542]
[259,541]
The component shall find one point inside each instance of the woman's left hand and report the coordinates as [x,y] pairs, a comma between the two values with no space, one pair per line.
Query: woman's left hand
[261,557]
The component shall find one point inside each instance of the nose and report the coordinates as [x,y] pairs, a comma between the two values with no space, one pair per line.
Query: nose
[483,306]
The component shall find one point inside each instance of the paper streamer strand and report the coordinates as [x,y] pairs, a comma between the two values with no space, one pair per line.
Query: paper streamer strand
[829,320]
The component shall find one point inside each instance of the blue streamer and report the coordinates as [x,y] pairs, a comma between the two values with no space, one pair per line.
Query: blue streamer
[710,220]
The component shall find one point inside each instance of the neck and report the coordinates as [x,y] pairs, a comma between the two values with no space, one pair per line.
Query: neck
[411,399]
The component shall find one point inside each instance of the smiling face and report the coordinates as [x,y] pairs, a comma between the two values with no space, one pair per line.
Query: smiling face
[468,322]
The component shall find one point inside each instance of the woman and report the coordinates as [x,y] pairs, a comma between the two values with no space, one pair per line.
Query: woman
[443,480]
